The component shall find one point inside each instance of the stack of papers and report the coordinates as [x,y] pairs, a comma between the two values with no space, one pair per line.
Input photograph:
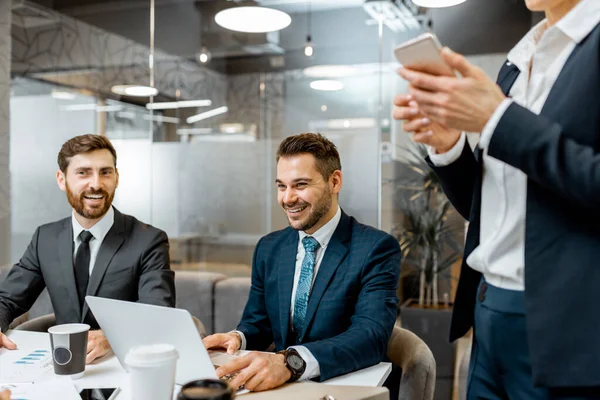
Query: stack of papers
[57,389]
[24,366]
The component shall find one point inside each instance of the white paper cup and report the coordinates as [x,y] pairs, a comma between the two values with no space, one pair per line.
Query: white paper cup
[152,371]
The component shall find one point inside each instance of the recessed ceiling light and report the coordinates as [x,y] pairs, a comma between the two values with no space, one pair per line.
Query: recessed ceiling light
[327,85]
[62,95]
[437,3]
[134,90]
[323,108]
[329,71]
[207,114]
[171,105]
[252,19]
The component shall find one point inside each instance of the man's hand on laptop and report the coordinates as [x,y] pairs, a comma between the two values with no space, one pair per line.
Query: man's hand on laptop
[5,395]
[98,346]
[229,341]
[257,371]
[7,343]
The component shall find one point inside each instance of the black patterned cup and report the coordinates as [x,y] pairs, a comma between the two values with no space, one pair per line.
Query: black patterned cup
[206,389]
[69,349]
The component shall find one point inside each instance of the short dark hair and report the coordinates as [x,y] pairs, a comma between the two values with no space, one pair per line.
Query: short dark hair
[325,153]
[83,144]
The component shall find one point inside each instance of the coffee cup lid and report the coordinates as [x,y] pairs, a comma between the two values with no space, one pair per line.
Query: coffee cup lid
[66,329]
[151,354]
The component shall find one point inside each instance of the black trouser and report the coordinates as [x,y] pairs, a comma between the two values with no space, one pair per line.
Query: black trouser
[500,367]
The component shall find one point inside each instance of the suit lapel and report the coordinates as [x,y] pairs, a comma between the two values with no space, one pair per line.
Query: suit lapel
[65,258]
[334,255]
[111,243]
[286,267]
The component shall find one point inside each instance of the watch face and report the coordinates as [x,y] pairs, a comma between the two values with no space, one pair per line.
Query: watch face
[295,361]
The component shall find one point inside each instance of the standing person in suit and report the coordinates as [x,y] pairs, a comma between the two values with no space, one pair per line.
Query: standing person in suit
[323,289]
[96,251]
[531,191]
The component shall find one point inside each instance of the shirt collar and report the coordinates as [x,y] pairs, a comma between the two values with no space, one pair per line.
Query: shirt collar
[581,20]
[324,234]
[576,25]
[521,54]
[99,230]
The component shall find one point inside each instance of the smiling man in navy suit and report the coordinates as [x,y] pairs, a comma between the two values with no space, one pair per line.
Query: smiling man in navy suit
[323,290]
[531,191]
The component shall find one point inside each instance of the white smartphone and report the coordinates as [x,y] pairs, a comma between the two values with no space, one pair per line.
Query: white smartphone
[99,394]
[423,53]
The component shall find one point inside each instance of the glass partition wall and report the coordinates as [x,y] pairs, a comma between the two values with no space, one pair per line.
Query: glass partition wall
[198,159]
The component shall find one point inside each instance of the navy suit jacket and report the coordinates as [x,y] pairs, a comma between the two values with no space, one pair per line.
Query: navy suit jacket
[352,306]
[559,151]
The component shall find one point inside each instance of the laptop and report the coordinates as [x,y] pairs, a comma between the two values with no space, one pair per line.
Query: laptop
[128,324]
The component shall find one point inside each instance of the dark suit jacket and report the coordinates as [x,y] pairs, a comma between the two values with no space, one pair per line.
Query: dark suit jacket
[132,265]
[352,306]
[559,151]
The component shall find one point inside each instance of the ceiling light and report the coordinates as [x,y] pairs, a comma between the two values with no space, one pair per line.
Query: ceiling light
[91,107]
[207,114]
[134,90]
[308,49]
[394,15]
[232,128]
[252,19]
[329,71]
[327,85]
[323,108]
[194,131]
[171,105]
[204,56]
[437,3]
[61,95]
[341,124]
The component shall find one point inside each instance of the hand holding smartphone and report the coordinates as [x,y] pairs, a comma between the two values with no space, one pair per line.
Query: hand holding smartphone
[423,54]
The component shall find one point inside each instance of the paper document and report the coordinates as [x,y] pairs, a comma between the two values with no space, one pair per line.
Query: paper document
[57,389]
[21,365]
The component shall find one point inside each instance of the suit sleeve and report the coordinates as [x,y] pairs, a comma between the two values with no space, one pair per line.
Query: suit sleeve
[255,323]
[458,180]
[22,285]
[157,281]
[365,342]
[540,148]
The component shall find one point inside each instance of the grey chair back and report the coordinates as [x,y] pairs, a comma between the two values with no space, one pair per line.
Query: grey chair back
[409,352]
[39,324]
[231,296]
[195,293]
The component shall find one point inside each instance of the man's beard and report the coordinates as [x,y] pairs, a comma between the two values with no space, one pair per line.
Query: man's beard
[319,210]
[78,203]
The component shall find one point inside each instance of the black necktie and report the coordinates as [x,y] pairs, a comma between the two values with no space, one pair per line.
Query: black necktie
[82,265]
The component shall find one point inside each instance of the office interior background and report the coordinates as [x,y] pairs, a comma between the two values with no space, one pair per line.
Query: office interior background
[204,171]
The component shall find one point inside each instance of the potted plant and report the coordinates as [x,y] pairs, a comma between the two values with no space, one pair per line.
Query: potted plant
[430,244]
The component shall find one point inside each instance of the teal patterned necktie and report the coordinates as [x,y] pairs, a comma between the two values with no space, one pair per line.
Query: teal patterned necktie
[305,282]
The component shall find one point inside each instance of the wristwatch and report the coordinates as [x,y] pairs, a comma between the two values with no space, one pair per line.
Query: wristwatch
[294,363]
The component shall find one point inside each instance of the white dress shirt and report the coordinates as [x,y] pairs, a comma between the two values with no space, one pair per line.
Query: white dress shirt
[540,57]
[98,231]
[323,236]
